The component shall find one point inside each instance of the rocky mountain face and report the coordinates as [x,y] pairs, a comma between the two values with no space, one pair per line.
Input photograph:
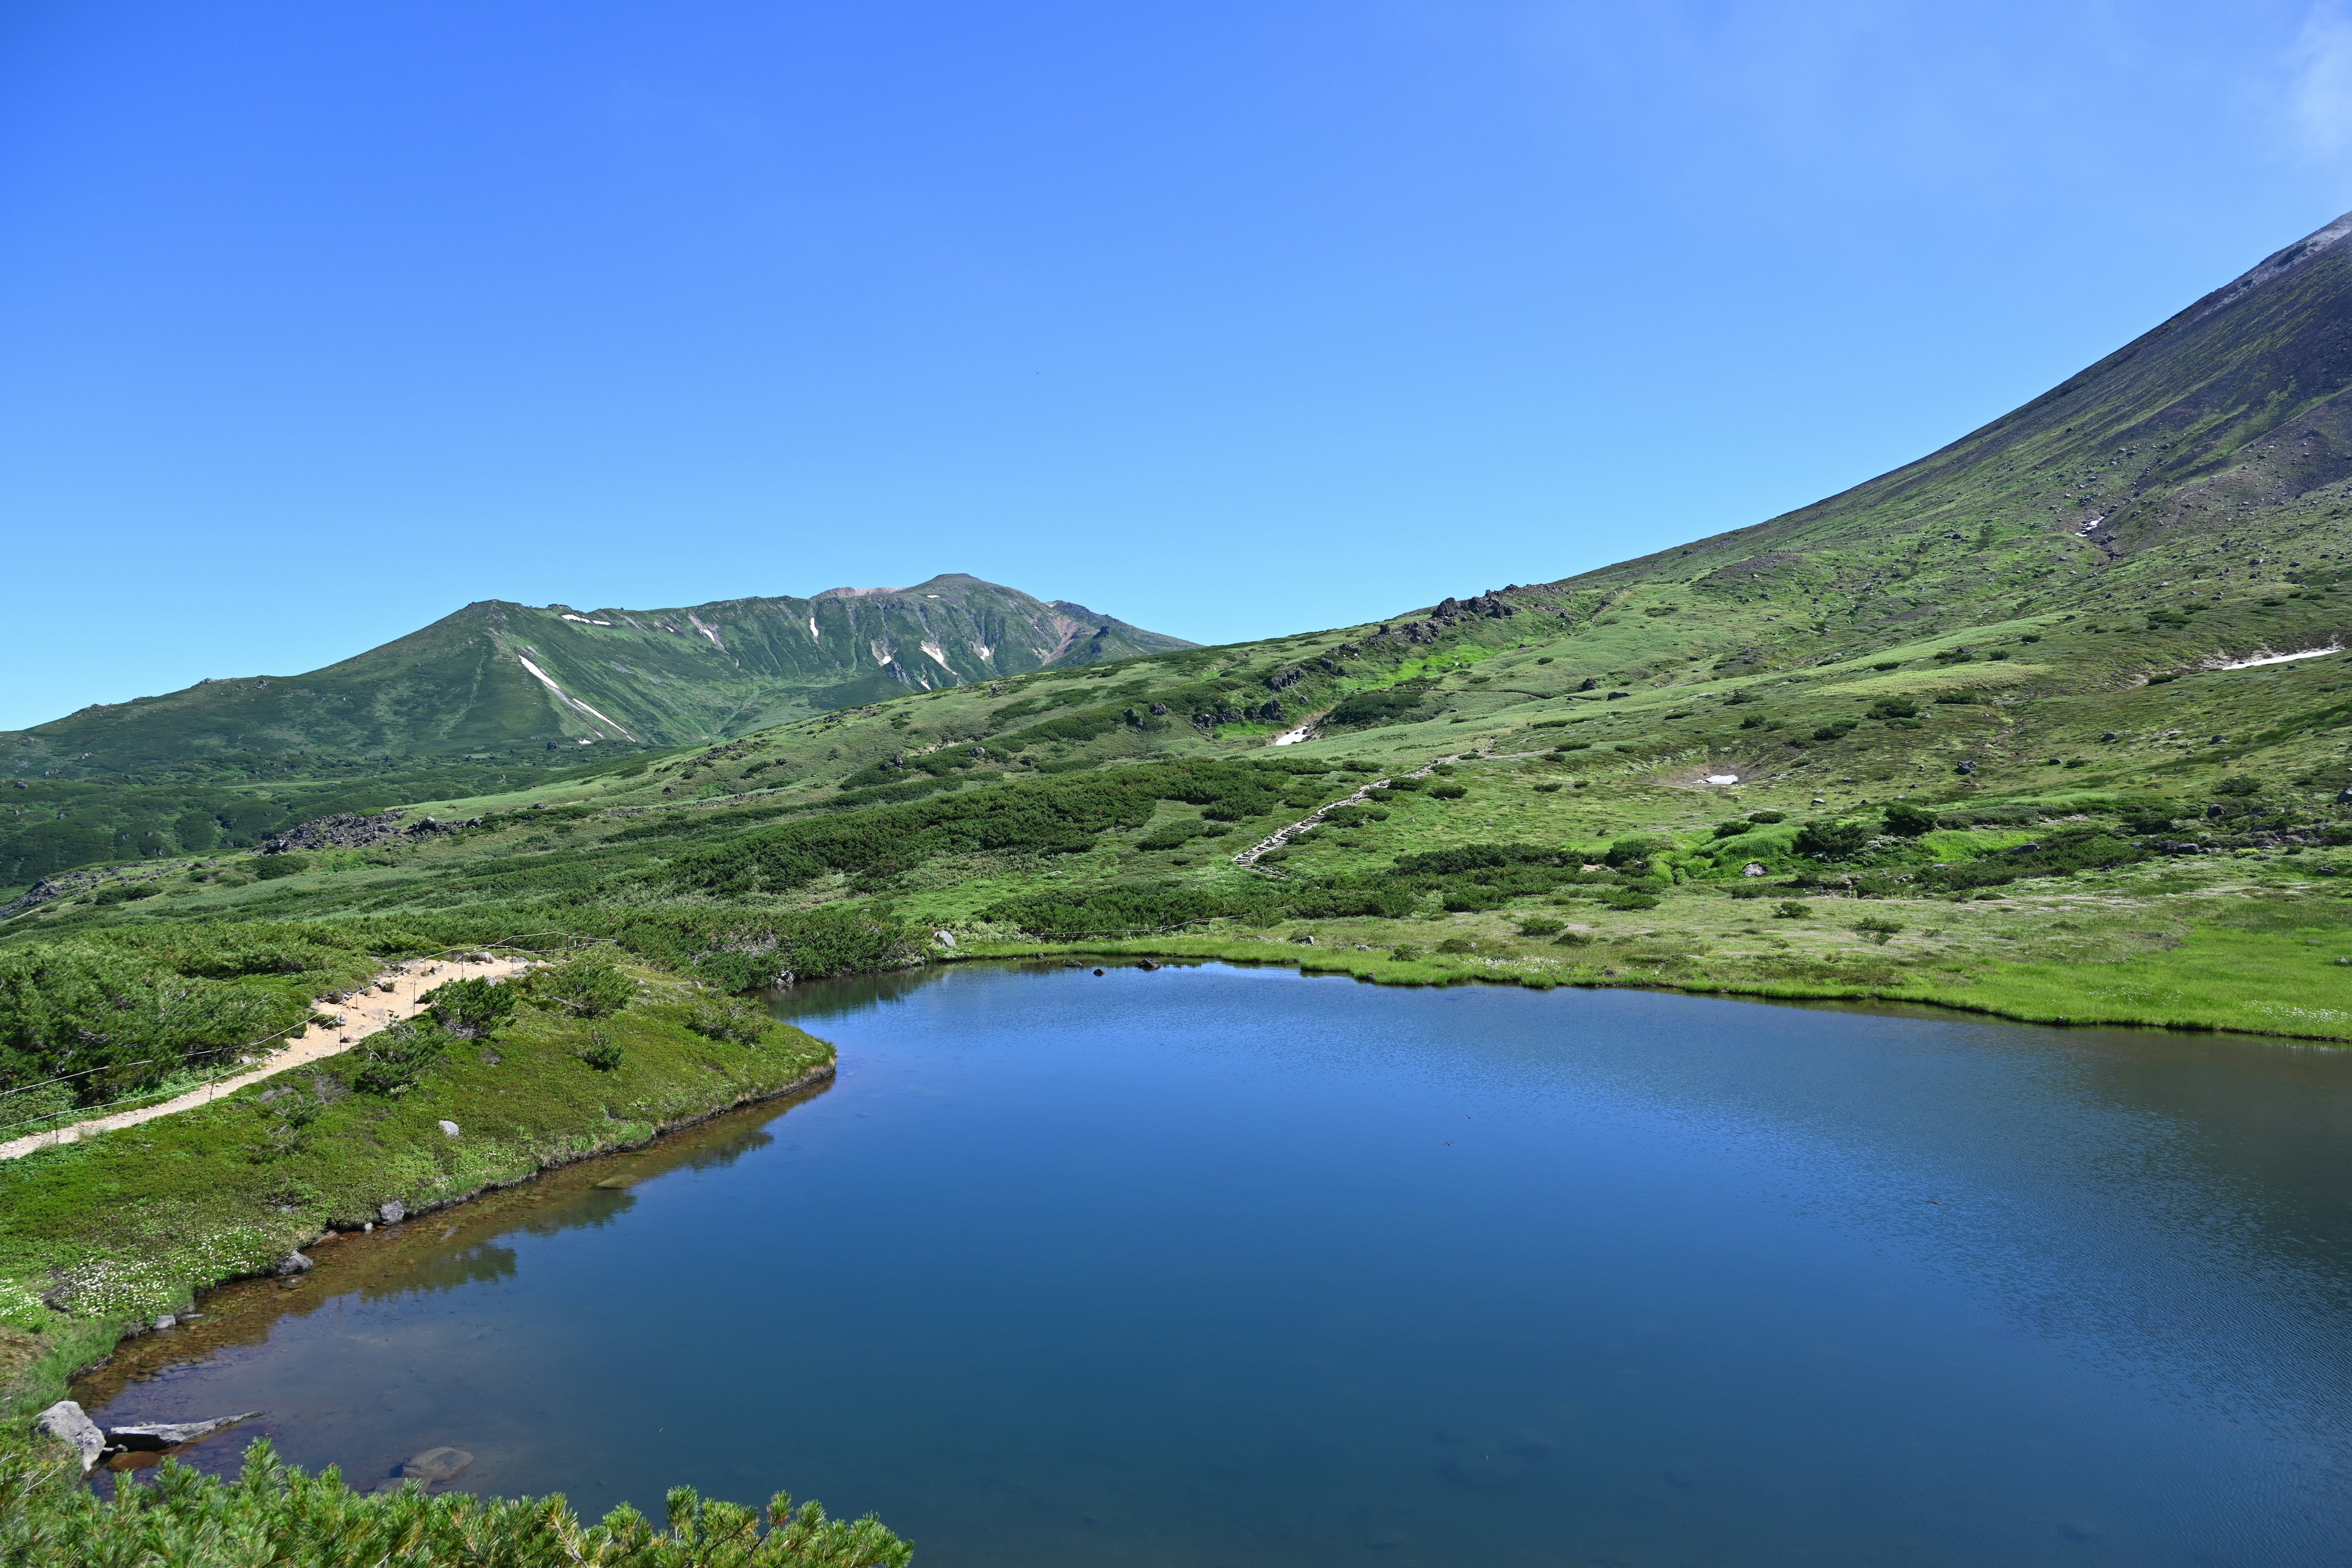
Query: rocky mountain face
[498,677]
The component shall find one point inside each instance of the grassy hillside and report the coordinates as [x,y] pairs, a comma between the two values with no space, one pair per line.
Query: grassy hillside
[2034,701]
[2052,724]
[496,680]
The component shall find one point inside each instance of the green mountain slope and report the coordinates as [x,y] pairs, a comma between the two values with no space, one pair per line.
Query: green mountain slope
[495,678]
[2053,723]
[2204,459]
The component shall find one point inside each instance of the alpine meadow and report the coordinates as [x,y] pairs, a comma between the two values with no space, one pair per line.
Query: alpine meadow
[2050,724]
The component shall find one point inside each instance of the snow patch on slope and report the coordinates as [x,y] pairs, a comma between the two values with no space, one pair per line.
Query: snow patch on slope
[562,696]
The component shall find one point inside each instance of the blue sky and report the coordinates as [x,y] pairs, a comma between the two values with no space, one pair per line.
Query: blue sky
[319,321]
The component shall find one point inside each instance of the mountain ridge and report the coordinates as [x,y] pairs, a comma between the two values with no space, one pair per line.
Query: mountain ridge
[496,675]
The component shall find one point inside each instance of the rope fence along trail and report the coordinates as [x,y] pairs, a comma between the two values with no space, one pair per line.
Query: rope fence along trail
[396,993]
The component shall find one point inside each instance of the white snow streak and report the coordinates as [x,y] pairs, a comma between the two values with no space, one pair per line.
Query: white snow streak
[562,696]
[2283,657]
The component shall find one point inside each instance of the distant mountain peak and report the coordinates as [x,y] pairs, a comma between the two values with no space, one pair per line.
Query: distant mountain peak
[496,675]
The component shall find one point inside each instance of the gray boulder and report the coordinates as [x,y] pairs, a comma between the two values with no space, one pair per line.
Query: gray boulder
[449,1128]
[391,1213]
[293,1263]
[65,1421]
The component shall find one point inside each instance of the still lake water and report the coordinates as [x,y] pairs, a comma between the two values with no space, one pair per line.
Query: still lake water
[1215,1266]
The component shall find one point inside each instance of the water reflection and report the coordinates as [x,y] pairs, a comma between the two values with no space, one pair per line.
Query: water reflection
[440,1254]
[1207,1265]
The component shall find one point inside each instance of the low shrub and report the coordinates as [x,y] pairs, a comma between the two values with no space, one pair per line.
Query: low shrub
[276,1513]
[725,1019]
[395,1058]
[1907,821]
[586,986]
[469,1009]
[1831,841]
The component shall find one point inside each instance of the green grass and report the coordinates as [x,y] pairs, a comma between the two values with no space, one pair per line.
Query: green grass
[2068,733]
[121,1227]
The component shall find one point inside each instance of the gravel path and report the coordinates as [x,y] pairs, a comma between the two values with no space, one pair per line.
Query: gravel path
[362,1016]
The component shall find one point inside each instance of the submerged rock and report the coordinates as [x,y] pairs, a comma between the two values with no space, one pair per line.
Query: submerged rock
[156,1437]
[436,1465]
[65,1421]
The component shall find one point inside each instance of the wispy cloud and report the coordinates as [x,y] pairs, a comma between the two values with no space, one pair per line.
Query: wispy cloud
[2319,94]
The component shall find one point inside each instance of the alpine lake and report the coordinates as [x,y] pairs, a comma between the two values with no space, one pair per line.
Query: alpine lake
[1211,1266]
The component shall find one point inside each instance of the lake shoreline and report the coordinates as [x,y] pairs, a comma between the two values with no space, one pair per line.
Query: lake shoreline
[670,1073]
[1378,967]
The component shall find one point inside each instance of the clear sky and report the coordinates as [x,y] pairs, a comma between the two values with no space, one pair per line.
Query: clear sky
[317,322]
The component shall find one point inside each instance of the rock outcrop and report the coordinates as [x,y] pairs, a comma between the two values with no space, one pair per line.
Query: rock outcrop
[156,1437]
[65,1421]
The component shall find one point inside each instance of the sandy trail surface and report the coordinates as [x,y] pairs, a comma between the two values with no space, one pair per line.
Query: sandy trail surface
[397,994]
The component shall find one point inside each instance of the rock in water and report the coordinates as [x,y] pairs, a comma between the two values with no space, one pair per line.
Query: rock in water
[291,1264]
[65,1421]
[436,1465]
[391,1213]
[156,1437]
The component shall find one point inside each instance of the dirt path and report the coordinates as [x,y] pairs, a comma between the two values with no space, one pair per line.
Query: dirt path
[1282,835]
[397,994]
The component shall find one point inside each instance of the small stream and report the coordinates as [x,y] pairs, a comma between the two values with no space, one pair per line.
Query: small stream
[1215,1266]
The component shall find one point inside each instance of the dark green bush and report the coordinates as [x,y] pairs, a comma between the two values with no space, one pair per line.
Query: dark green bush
[469,1009]
[271,866]
[1371,709]
[274,1513]
[725,1019]
[1634,852]
[394,1058]
[586,986]
[1905,820]
[1831,841]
